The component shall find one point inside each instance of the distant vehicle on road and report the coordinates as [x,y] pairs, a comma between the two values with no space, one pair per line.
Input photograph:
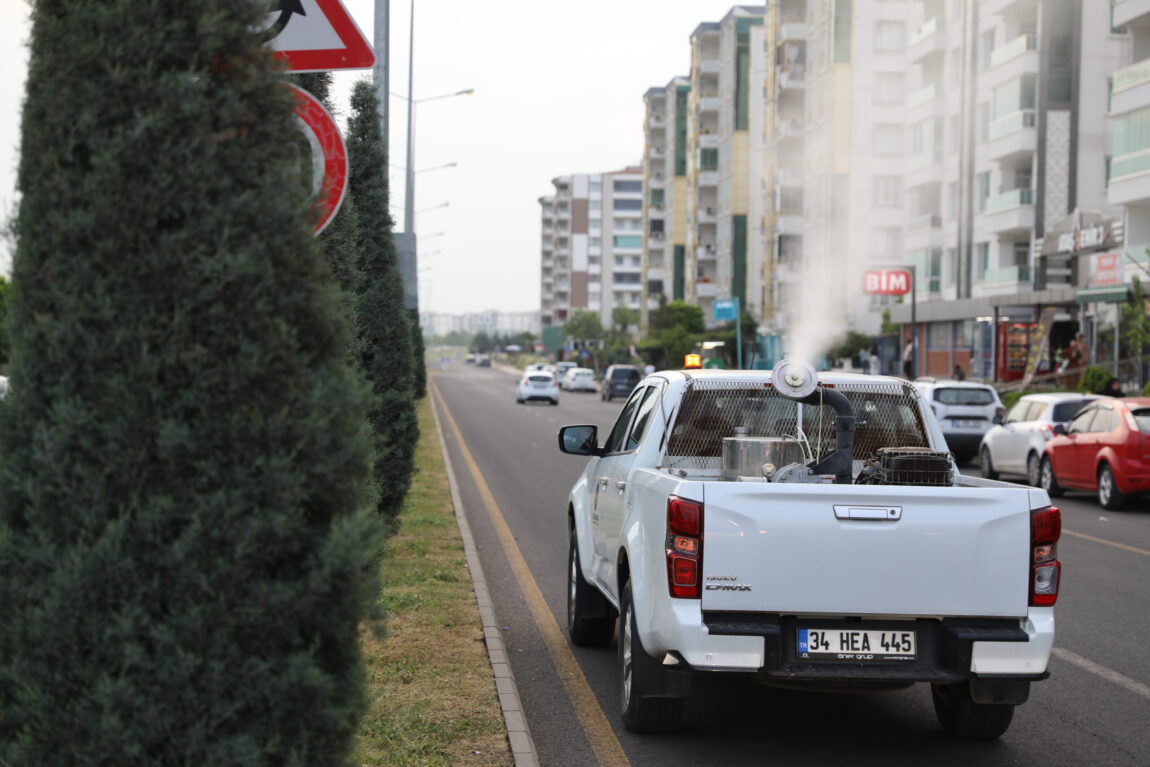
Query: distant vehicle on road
[580,379]
[537,385]
[562,368]
[1015,447]
[966,410]
[1101,450]
[619,381]
[483,361]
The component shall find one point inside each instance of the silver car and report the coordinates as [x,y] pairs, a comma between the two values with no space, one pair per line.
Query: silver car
[1015,447]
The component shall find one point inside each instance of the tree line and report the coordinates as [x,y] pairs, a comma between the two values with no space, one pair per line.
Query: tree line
[211,419]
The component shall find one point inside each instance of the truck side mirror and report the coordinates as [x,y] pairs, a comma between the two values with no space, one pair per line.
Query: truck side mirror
[579,440]
[1059,428]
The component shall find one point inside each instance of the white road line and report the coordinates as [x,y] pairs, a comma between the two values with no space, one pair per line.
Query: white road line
[1108,674]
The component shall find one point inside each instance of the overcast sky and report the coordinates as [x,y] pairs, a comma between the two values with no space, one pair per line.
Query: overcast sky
[558,89]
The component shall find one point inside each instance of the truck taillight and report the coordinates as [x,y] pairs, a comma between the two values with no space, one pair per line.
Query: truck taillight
[1045,569]
[684,546]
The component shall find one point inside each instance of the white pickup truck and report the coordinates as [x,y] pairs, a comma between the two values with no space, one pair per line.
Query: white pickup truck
[810,531]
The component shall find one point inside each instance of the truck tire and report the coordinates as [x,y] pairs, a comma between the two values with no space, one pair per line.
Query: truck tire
[644,708]
[590,617]
[1108,493]
[961,717]
[1047,480]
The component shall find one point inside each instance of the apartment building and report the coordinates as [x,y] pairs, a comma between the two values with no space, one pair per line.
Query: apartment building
[724,93]
[1006,166]
[662,276]
[835,139]
[592,245]
[489,322]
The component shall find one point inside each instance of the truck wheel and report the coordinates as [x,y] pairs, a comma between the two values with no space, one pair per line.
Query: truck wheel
[590,617]
[986,464]
[1108,493]
[1047,480]
[961,717]
[642,711]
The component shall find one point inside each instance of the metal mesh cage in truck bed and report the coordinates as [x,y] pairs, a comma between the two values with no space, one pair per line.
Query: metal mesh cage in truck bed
[886,415]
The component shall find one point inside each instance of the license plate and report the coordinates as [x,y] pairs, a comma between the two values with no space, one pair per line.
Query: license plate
[839,644]
[964,423]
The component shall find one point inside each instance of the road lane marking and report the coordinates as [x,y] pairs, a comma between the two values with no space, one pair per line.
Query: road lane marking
[1109,675]
[1103,541]
[608,751]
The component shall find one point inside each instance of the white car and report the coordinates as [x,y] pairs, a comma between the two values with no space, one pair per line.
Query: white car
[1016,446]
[965,410]
[537,385]
[580,379]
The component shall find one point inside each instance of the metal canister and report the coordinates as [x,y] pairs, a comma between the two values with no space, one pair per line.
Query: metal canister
[758,456]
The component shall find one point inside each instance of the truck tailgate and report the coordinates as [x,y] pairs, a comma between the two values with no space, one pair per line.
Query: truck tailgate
[927,551]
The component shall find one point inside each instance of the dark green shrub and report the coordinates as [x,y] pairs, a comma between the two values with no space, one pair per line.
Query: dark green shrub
[1094,379]
[385,332]
[418,352]
[183,532]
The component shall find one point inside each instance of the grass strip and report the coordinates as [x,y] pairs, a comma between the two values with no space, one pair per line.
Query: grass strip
[431,692]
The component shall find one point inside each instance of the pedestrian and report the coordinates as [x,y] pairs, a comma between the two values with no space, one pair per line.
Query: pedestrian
[648,369]
[1113,388]
[908,360]
[959,374]
[875,363]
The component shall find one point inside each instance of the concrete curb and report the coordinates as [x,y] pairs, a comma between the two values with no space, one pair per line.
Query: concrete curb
[519,737]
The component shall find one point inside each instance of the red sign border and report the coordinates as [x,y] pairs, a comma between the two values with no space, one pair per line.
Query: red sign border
[356,53]
[909,281]
[334,186]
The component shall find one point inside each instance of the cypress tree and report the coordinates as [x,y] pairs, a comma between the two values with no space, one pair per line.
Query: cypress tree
[419,369]
[385,332]
[183,531]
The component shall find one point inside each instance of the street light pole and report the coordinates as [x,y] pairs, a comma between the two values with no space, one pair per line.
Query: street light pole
[409,184]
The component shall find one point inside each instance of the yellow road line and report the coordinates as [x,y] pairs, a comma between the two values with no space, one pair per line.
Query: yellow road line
[1105,542]
[608,750]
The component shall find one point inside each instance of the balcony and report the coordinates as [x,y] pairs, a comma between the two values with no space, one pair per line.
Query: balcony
[706,215]
[923,232]
[921,96]
[1130,88]
[707,178]
[924,103]
[710,66]
[791,77]
[789,225]
[1007,276]
[706,289]
[927,40]
[1013,49]
[1010,137]
[1009,211]
[656,121]
[657,152]
[792,30]
[710,104]
[1126,11]
[708,141]
[655,181]
[790,128]
[1130,178]
[705,252]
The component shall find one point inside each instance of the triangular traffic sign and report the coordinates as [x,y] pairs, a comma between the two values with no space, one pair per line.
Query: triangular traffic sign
[317,36]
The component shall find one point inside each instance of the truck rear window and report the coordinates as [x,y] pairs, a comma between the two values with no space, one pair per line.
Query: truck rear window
[885,416]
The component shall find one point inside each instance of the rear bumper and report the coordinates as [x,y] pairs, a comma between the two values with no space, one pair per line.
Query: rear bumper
[966,442]
[949,650]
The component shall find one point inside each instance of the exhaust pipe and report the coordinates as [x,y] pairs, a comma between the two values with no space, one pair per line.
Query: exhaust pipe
[797,381]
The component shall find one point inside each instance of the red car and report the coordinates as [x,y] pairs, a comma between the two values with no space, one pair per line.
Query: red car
[1103,449]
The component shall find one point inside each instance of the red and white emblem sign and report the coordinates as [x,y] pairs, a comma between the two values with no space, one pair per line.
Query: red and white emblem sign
[886,282]
[316,36]
[328,153]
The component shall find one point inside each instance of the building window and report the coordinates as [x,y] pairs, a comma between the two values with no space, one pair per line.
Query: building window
[628,241]
[887,241]
[596,187]
[626,204]
[596,205]
[595,242]
[888,191]
[939,335]
[888,139]
[889,88]
[708,159]
[982,184]
[657,196]
[627,278]
[981,259]
[628,186]
[890,36]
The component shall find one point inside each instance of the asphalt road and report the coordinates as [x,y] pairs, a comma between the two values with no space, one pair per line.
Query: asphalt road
[1094,709]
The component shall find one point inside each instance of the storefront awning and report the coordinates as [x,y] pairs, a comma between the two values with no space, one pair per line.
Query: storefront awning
[1111,294]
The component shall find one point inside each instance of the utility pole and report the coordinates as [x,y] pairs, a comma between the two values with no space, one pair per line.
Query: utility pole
[382,53]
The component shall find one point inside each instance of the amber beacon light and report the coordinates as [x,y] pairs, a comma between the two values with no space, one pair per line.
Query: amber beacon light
[692,362]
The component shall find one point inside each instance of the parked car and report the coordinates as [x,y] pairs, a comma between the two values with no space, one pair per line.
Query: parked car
[966,410]
[562,368]
[483,361]
[537,385]
[1101,450]
[1015,447]
[619,381]
[580,379]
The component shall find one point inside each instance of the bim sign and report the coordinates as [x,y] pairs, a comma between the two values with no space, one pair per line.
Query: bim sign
[886,282]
